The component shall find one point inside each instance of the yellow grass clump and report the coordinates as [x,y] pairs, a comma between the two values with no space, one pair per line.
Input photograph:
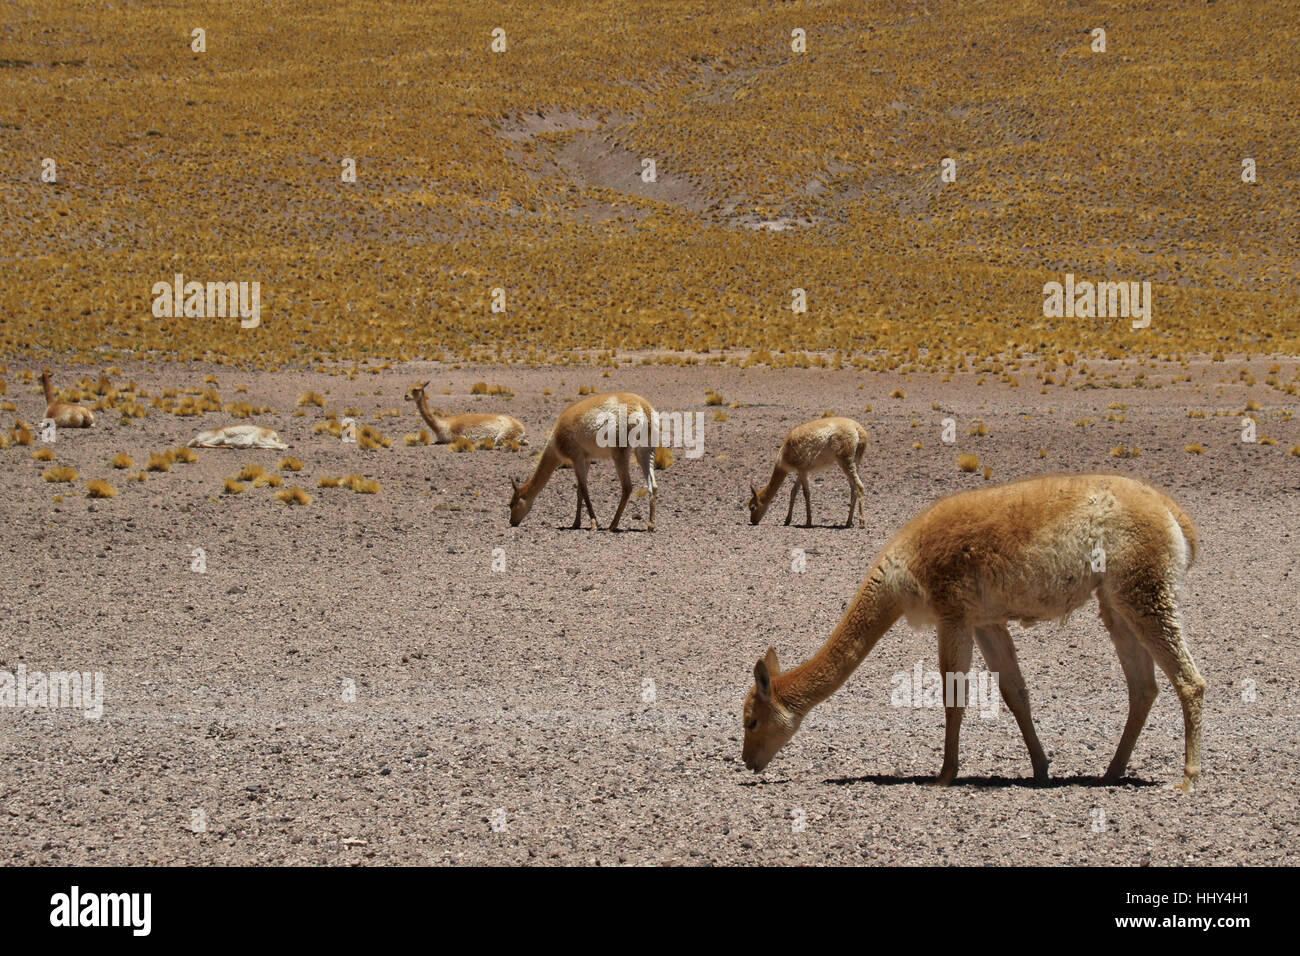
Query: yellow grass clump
[100,489]
[329,482]
[161,462]
[423,438]
[663,458]
[60,473]
[251,472]
[312,399]
[362,485]
[294,496]
[291,464]
[186,455]
[121,460]
[898,393]
[461,444]
[45,454]
[1196,448]
[234,486]
[968,462]
[371,439]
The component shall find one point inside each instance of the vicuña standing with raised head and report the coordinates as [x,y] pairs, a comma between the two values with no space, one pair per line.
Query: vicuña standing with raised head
[64,414]
[499,428]
[811,447]
[582,434]
[1024,551]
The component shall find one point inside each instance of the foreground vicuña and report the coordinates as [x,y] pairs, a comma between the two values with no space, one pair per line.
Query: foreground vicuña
[1024,551]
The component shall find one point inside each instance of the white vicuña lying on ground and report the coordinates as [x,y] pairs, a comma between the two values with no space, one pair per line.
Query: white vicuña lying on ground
[238,436]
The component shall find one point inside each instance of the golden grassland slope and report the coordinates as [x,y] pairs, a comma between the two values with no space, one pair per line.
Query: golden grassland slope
[521,170]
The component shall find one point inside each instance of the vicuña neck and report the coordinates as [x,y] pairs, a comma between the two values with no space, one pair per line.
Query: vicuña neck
[773,484]
[871,614]
[546,466]
[49,389]
[439,432]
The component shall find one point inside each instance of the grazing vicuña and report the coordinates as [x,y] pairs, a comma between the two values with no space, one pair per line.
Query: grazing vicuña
[1024,551]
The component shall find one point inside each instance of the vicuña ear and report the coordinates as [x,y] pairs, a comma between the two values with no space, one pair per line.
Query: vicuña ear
[515,485]
[763,675]
[770,660]
[754,492]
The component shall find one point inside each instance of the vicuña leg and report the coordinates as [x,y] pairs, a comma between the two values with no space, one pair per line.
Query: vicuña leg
[645,457]
[807,499]
[625,483]
[1000,655]
[794,493]
[1140,673]
[856,493]
[954,658]
[580,475]
[1159,631]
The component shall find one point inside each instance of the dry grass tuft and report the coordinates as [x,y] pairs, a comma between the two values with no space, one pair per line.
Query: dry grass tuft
[60,473]
[311,399]
[1196,448]
[329,482]
[161,462]
[251,473]
[45,454]
[294,496]
[100,489]
[121,460]
[663,458]
[371,439]
[234,486]
[461,444]
[291,464]
[968,462]
[185,455]
[362,485]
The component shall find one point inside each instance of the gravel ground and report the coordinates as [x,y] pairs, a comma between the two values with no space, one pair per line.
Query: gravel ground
[582,705]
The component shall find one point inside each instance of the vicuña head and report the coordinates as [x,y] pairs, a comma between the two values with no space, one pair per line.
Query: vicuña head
[1025,551]
[769,725]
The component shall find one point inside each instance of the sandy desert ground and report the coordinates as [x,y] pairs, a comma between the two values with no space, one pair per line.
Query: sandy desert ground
[504,716]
